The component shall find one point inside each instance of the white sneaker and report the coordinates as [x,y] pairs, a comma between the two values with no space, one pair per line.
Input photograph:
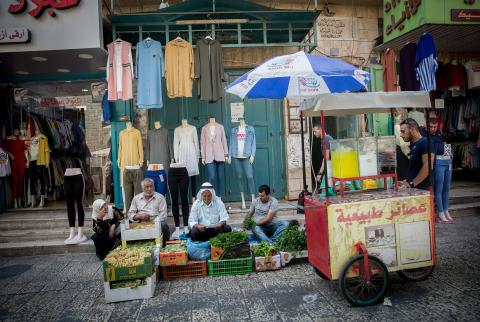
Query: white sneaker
[175,235]
[70,240]
[79,239]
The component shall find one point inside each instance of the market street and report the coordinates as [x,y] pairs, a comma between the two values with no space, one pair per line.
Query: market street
[70,288]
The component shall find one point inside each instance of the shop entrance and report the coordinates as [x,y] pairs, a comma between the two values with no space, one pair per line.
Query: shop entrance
[264,115]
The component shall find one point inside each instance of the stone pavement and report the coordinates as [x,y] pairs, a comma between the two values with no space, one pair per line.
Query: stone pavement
[69,288]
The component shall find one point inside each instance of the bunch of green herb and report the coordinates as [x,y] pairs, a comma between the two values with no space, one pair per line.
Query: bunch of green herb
[249,223]
[227,240]
[292,240]
[264,249]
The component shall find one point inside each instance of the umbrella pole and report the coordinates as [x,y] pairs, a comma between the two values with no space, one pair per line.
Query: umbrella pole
[305,187]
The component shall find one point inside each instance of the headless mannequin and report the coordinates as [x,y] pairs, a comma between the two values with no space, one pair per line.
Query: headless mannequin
[242,127]
[17,202]
[33,156]
[193,181]
[157,125]
[211,128]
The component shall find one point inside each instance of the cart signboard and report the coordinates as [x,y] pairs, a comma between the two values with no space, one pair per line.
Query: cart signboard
[396,230]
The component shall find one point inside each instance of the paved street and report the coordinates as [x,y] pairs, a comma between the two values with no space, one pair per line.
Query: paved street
[69,288]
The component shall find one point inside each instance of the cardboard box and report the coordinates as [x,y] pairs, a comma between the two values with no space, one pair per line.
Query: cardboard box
[130,234]
[268,263]
[127,294]
[286,257]
[111,274]
[173,258]
[216,253]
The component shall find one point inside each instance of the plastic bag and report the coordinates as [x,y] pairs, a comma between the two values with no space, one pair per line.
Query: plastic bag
[198,251]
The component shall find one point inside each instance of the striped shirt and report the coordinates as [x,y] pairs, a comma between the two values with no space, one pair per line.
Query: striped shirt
[426,63]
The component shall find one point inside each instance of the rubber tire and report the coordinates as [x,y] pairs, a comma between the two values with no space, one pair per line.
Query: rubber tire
[423,277]
[379,296]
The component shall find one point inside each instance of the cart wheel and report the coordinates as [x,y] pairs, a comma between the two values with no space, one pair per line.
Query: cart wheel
[416,274]
[354,286]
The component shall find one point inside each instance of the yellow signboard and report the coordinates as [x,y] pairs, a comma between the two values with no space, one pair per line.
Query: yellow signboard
[396,230]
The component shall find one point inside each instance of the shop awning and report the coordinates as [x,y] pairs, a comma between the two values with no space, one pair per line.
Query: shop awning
[363,103]
[448,38]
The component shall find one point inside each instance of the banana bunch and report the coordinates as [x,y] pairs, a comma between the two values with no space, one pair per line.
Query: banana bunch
[126,257]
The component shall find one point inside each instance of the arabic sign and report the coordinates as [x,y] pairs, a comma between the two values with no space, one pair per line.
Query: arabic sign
[14,35]
[40,6]
[237,111]
[410,9]
[465,14]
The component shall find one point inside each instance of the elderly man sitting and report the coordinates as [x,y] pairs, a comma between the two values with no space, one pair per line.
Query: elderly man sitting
[149,205]
[208,216]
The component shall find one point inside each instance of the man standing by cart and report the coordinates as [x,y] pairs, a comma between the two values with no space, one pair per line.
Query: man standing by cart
[418,173]
[317,131]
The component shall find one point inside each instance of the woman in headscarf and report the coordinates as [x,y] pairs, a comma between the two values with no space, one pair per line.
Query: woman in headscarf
[208,216]
[106,225]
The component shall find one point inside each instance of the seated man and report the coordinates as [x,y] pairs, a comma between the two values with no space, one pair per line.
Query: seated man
[149,205]
[208,216]
[268,228]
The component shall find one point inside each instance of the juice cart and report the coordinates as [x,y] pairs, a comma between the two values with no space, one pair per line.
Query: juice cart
[360,237]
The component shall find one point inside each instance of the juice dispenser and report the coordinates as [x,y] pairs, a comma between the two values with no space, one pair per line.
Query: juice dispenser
[367,150]
[344,158]
[387,158]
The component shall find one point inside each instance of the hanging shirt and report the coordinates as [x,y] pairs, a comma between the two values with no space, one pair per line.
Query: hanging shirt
[33,149]
[179,68]
[150,70]
[389,71]
[209,69]
[119,71]
[407,78]
[106,111]
[241,136]
[455,75]
[130,148]
[5,168]
[473,72]
[426,63]
[43,151]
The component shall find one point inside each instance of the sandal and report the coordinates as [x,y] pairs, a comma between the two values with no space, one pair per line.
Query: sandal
[438,220]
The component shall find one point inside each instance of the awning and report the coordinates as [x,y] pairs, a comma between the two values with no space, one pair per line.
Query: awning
[363,103]
[448,38]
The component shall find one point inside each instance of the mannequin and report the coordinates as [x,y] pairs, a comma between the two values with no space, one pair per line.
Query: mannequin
[39,158]
[214,152]
[178,183]
[159,156]
[74,188]
[187,151]
[130,162]
[242,149]
[17,149]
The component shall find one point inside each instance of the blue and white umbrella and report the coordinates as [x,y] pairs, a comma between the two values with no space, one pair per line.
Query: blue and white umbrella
[299,75]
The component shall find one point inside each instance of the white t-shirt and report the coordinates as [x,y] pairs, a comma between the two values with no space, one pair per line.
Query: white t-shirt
[473,72]
[34,148]
[241,136]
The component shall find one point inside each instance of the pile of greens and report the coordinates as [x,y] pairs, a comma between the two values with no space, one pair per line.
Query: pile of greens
[146,245]
[292,240]
[178,247]
[265,249]
[227,240]
[249,223]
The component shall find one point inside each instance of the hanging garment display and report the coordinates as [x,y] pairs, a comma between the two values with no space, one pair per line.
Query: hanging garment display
[407,78]
[120,70]
[159,148]
[473,72]
[5,169]
[178,183]
[426,63]
[17,147]
[389,71]
[441,77]
[179,68]
[149,73]
[209,69]
[106,109]
[455,73]
[214,151]
[130,148]
[186,149]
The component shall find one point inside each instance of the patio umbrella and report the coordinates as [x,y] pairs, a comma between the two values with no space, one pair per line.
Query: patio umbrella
[299,76]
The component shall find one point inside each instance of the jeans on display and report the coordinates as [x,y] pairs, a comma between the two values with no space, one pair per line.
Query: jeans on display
[159,177]
[132,185]
[197,235]
[36,173]
[211,176]
[178,182]
[443,178]
[243,165]
[74,188]
[270,232]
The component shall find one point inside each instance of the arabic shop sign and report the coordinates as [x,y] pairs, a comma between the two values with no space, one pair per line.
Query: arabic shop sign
[465,14]
[40,6]
[14,35]
[410,8]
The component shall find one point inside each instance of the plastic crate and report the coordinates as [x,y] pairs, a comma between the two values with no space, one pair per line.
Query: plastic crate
[191,269]
[230,266]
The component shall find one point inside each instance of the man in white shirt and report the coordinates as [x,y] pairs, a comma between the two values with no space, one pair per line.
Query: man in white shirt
[208,216]
[148,206]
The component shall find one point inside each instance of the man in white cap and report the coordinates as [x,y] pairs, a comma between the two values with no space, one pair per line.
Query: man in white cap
[208,216]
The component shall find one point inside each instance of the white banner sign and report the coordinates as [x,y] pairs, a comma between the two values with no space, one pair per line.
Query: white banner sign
[237,111]
[14,35]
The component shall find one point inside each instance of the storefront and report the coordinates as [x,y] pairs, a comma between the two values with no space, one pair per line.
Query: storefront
[453,27]
[50,54]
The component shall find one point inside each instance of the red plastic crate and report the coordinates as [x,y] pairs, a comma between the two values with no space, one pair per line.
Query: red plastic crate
[191,269]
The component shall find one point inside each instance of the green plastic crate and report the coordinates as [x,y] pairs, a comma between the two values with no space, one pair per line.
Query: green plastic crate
[230,266]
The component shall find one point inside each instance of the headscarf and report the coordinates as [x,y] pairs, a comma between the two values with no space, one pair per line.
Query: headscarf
[206,186]
[97,204]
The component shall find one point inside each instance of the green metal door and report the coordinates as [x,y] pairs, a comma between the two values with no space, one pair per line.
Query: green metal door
[266,116]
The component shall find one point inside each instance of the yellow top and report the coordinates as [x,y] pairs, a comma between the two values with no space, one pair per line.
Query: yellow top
[130,148]
[43,151]
[179,68]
